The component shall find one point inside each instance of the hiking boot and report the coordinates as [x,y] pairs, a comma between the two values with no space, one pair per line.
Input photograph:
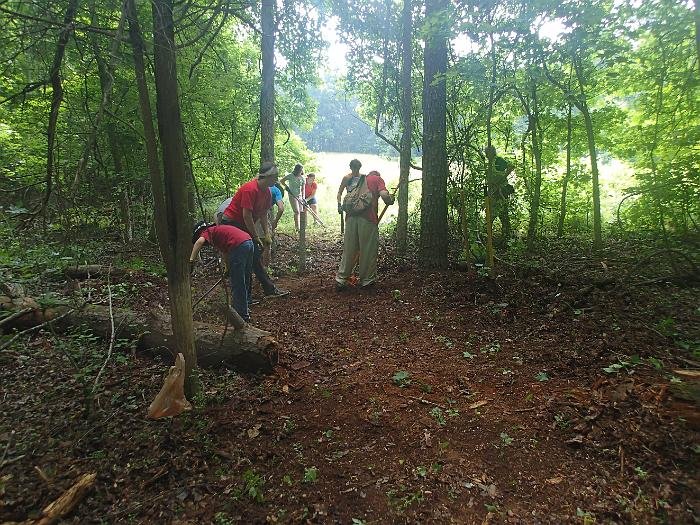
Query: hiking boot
[276,292]
[253,301]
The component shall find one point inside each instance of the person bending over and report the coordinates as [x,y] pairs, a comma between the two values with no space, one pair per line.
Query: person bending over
[237,249]
[250,204]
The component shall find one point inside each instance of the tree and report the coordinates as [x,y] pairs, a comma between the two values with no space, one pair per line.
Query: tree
[406,124]
[434,231]
[176,219]
[267,91]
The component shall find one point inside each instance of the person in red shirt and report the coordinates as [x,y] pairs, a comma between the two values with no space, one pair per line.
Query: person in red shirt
[310,192]
[237,248]
[250,204]
[362,236]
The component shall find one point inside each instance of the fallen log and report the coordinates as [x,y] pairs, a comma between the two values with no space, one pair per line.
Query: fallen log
[246,349]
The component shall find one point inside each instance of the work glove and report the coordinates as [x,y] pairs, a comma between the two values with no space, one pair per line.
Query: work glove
[267,240]
[258,243]
[340,208]
[392,200]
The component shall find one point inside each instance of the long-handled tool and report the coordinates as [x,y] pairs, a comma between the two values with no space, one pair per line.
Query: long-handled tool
[393,194]
[303,204]
[210,290]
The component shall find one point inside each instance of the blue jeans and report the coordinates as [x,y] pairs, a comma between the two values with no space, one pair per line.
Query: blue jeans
[265,281]
[240,269]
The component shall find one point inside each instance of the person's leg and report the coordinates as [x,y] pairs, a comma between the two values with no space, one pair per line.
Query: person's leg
[350,248]
[315,210]
[295,209]
[267,285]
[237,262]
[249,273]
[369,244]
[265,281]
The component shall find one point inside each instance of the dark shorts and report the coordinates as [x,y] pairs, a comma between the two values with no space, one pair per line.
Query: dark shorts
[312,200]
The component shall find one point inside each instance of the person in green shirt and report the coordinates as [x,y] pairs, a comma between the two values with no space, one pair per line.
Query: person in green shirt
[295,183]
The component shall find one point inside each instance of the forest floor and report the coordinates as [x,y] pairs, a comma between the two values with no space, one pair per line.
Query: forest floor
[548,395]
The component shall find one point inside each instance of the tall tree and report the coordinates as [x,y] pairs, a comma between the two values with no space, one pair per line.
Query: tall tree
[434,235]
[406,124]
[267,90]
[175,191]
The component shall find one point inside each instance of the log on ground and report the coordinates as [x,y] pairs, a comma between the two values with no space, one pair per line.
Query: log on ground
[248,349]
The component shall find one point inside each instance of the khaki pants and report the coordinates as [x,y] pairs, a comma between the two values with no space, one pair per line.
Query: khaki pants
[360,236]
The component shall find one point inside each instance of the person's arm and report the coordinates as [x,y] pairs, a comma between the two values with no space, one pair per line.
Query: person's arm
[195,251]
[343,185]
[250,224]
[267,239]
[387,197]
[280,211]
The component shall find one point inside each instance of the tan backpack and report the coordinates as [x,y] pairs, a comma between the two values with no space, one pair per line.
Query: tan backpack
[359,199]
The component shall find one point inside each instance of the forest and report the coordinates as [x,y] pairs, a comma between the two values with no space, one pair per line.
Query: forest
[528,350]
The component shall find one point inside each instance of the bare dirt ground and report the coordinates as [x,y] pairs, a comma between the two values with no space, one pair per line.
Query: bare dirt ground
[549,395]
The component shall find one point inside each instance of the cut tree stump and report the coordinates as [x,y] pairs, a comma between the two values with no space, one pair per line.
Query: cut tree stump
[246,349]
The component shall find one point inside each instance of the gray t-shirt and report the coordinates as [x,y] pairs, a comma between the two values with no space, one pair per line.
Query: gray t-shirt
[220,211]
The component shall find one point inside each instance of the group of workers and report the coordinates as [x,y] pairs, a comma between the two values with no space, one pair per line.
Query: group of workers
[244,224]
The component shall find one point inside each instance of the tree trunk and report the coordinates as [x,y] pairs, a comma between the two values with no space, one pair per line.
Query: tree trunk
[490,157]
[302,240]
[582,105]
[125,206]
[151,143]
[176,219]
[434,231]
[597,227]
[267,91]
[247,349]
[56,96]
[105,71]
[565,182]
[537,183]
[697,32]
[406,122]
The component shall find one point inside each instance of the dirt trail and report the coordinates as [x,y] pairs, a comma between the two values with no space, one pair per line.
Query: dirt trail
[433,398]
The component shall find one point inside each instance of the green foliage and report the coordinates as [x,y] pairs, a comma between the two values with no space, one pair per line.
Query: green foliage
[310,475]
[253,484]
[438,415]
[401,378]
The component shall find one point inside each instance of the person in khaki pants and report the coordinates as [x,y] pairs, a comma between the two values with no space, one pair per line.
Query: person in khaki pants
[362,235]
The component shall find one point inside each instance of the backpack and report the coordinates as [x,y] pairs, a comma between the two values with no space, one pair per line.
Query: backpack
[359,199]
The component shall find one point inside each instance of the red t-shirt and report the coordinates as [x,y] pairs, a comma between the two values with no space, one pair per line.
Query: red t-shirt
[375,184]
[249,197]
[310,189]
[225,238]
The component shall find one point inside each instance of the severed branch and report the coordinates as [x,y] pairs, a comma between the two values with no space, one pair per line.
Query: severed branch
[15,315]
[63,506]
[111,337]
[33,328]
